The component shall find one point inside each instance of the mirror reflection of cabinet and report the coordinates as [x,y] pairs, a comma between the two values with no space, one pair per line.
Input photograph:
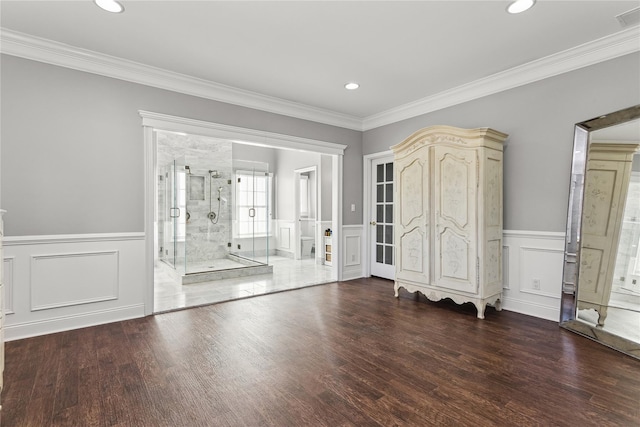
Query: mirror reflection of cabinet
[606,184]
[599,299]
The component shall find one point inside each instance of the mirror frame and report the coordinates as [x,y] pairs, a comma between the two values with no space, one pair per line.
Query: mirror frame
[570,280]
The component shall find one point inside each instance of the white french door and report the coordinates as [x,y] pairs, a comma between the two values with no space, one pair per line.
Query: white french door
[382,256]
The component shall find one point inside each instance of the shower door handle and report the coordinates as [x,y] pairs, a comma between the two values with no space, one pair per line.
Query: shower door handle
[171,212]
[252,212]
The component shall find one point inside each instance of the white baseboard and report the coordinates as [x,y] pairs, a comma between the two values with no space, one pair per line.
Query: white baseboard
[65,323]
[530,308]
[350,273]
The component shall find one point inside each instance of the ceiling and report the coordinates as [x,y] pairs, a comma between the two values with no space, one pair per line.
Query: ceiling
[301,53]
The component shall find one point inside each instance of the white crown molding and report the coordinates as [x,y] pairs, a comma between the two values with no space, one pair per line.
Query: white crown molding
[29,47]
[603,49]
[38,49]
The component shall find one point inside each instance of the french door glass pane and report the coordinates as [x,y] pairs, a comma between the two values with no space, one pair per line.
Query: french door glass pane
[389,214]
[380,233]
[389,167]
[380,173]
[388,234]
[388,257]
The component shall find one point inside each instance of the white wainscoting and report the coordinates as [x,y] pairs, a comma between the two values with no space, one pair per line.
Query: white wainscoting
[352,241]
[57,283]
[7,301]
[532,266]
[285,244]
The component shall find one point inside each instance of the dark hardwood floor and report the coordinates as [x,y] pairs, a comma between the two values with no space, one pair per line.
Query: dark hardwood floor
[332,355]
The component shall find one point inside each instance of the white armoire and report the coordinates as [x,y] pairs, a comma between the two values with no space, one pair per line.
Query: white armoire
[448,215]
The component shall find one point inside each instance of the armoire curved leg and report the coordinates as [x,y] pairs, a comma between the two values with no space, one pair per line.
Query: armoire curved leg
[480,306]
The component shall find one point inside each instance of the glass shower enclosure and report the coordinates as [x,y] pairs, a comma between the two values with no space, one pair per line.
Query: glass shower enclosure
[213,218]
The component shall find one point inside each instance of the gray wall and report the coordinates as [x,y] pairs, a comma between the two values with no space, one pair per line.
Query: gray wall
[72,147]
[296,160]
[72,151]
[254,153]
[539,119]
[288,162]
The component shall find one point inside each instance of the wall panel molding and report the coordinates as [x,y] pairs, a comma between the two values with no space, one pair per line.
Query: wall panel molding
[533,256]
[352,246]
[7,284]
[505,267]
[352,241]
[66,279]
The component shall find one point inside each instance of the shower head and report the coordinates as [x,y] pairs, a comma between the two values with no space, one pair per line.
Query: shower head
[220,189]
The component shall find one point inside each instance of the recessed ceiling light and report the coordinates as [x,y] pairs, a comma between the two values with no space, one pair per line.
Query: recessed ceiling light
[110,5]
[351,86]
[520,6]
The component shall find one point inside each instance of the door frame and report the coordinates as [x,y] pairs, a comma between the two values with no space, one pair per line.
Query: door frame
[298,226]
[156,121]
[367,213]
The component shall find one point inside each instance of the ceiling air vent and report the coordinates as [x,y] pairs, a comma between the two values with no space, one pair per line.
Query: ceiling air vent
[629,18]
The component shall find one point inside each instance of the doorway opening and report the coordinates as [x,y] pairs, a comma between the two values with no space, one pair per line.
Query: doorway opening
[222,220]
[378,214]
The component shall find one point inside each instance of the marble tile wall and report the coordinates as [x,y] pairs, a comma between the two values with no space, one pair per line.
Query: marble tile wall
[205,239]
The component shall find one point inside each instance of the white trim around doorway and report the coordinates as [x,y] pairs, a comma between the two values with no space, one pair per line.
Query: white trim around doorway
[156,121]
[367,215]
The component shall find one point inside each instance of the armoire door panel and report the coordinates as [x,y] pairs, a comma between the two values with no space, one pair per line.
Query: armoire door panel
[599,196]
[591,274]
[412,183]
[455,189]
[452,181]
[413,259]
[455,267]
[493,191]
[493,264]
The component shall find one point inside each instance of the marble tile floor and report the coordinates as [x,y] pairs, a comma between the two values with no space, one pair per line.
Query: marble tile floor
[287,274]
[620,322]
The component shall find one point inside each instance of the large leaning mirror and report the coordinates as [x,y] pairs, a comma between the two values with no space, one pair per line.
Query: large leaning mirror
[601,283]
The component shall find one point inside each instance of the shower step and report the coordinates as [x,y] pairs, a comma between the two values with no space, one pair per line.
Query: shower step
[209,276]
